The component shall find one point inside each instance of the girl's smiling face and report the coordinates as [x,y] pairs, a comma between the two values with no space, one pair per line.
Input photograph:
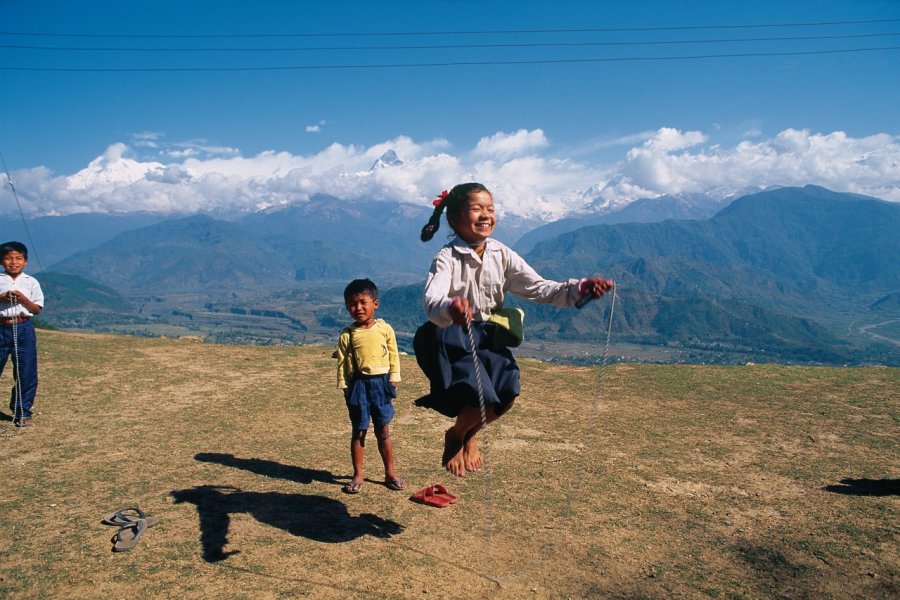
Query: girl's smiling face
[476,220]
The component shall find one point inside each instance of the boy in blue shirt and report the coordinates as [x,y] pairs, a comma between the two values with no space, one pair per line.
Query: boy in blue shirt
[21,298]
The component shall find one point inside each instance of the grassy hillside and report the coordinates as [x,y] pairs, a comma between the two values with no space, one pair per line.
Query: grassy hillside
[650,482]
[71,293]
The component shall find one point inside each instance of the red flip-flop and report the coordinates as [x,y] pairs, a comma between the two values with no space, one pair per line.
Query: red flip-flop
[427,496]
[441,492]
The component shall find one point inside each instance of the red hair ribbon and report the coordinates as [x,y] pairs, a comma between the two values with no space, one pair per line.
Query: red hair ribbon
[440,198]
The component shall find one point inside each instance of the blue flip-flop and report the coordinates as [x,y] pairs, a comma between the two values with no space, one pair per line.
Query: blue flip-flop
[129,535]
[354,487]
[125,516]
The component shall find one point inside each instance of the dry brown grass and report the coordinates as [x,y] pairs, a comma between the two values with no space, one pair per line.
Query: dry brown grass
[738,482]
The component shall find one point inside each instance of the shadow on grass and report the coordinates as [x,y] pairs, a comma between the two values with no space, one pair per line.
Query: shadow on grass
[269,468]
[773,572]
[866,487]
[314,517]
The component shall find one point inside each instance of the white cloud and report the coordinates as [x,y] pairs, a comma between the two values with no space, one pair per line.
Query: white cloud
[316,127]
[869,165]
[145,139]
[524,171]
[505,145]
[200,148]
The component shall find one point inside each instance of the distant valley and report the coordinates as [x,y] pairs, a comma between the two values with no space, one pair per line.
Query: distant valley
[786,275]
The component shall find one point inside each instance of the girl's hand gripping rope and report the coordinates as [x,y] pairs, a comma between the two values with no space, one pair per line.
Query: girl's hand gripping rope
[592,288]
[460,311]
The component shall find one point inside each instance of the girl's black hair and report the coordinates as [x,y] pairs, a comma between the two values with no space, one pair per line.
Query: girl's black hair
[454,202]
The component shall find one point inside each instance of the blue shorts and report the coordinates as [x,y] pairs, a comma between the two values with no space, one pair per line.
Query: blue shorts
[369,398]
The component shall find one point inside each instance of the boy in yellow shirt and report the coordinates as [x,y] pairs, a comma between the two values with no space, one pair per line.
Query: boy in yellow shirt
[368,373]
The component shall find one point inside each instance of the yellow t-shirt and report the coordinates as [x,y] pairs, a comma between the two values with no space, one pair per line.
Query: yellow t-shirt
[373,352]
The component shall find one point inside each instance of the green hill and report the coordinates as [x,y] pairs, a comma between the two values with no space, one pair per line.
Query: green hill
[71,293]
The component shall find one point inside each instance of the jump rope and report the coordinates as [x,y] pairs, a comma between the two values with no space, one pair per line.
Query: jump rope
[581,303]
[18,411]
[17,390]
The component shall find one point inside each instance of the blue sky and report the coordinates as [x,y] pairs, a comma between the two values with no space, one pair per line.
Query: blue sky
[572,101]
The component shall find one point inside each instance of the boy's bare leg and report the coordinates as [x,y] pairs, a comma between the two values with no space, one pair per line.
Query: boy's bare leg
[386,449]
[357,454]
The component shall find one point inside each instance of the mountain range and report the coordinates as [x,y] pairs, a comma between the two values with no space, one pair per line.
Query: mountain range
[791,274]
[54,238]
[799,265]
[644,210]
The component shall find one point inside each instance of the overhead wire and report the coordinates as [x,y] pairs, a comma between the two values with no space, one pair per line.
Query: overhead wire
[466,32]
[448,63]
[21,213]
[454,46]
[786,52]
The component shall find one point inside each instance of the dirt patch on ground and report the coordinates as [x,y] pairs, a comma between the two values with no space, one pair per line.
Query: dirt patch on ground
[667,481]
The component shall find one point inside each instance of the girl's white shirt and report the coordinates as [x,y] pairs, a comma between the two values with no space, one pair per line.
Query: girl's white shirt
[24,283]
[457,270]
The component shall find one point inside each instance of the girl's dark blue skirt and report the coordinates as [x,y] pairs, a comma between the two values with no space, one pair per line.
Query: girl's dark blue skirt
[444,355]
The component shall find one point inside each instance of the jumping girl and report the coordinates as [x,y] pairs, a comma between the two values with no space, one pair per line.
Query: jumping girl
[468,280]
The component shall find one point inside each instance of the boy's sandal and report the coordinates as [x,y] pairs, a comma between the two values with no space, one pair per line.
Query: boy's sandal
[398,485]
[354,487]
[129,535]
[125,516]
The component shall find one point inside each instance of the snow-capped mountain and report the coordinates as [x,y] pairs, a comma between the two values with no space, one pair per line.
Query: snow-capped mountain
[388,159]
[112,168]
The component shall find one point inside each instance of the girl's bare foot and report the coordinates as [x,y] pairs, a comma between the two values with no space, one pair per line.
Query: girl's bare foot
[453,459]
[471,455]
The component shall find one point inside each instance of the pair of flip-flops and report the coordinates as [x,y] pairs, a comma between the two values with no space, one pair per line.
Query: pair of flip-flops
[355,487]
[132,523]
[434,495]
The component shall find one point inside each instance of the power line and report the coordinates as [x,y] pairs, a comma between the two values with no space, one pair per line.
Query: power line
[450,63]
[434,33]
[21,214]
[459,46]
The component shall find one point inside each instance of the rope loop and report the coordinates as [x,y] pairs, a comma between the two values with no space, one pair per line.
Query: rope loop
[18,409]
[484,448]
